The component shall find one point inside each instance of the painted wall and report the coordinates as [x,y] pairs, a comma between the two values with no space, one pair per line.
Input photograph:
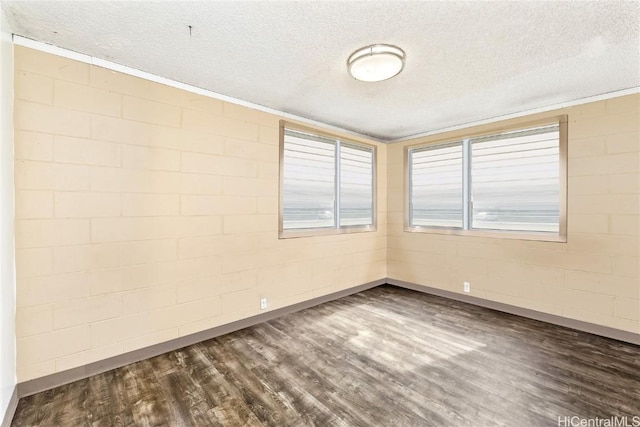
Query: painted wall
[146,213]
[594,277]
[7,258]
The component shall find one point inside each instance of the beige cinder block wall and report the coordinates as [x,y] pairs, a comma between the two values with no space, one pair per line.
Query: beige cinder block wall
[146,213]
[594,277]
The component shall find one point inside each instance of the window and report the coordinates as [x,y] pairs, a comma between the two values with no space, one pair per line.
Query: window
[436,190]
[327,184]
[514,181]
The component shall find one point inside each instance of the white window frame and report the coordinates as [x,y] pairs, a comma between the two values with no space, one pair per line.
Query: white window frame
[337,228]
[466,230]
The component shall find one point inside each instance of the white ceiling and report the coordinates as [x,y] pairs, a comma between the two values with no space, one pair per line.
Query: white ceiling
[466,61]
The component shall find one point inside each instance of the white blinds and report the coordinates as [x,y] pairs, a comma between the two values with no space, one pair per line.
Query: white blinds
[326,183]
[514,180]
[309,181]
[356,185]
[436,185]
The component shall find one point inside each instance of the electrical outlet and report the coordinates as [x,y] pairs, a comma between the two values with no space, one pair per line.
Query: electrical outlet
[467,287]
[263,303]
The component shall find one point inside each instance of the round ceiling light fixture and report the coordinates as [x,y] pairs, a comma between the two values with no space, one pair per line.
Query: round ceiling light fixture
[376,62]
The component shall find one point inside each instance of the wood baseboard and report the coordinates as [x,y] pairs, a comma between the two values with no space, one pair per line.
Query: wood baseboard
[579,325]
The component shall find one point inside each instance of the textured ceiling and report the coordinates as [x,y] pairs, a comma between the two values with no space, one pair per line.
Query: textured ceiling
[466,61]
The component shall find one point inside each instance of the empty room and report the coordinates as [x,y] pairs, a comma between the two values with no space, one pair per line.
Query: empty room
[320,213]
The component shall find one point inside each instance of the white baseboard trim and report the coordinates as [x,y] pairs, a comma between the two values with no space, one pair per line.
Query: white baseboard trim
[57,379]
[579,325]
[11,408]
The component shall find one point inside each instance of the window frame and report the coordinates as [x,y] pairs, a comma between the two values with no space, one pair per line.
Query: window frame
[337,229]
[559,237]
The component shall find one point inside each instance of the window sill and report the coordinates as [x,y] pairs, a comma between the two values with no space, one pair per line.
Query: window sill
[495,234]
[312,232]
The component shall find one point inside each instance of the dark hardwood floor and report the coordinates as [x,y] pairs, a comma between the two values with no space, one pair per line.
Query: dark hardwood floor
[384,357]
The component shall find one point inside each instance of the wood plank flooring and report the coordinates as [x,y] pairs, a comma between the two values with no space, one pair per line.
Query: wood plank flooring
[383,357]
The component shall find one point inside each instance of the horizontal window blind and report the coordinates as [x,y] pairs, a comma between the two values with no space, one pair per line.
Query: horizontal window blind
[326,183]
[436,185]
[308,181]
[356,185]
[514,180]
[510,181]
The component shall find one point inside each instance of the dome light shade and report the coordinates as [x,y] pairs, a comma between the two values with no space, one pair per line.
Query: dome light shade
[376,62]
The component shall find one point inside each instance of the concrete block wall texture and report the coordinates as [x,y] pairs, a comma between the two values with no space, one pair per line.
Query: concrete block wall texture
[594,277]
[145,213]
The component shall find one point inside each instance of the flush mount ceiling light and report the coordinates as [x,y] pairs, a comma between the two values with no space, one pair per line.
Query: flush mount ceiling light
[376,62]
